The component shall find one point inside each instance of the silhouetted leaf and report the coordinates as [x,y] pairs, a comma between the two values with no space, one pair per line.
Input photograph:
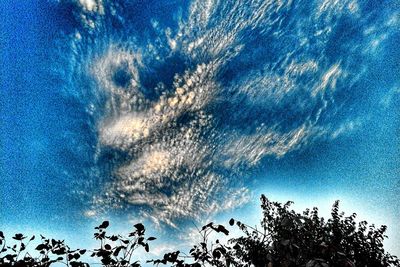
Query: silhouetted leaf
[222,229]
[207,226]
[41,247]
[60,251]
[19,237]
[118,250]
[216,254]
[114,238]
[106,260]
[104,225]
[139,227]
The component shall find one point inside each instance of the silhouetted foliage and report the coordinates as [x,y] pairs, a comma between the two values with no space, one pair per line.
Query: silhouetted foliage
[114,250]
[292,239]
[285,239]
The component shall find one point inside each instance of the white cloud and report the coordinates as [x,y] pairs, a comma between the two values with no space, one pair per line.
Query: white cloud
[185,148]
[92,5]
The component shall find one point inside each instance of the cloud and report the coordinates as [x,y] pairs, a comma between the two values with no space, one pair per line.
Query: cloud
[332,7]
[92,5]
[181,120]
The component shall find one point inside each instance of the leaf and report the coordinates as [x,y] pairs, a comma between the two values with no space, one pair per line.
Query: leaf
[41,247]
[151,238]
[139,227]
[117,250]
[82,251]
[231,222]
[206,226]
[114,238]
[60,251]
[70,256]
[32,238]
[19,237]
[216,254]
[99,235]
[146,247]
[104,225]
[106,261]
[107,246]
[220,229]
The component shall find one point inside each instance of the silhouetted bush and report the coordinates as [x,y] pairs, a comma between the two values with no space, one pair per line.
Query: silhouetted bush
[285,239]
[114,250]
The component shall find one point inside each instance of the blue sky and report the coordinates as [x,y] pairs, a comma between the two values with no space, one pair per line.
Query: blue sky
[295,101]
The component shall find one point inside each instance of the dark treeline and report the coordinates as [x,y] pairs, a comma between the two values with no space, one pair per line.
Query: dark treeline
[284,239]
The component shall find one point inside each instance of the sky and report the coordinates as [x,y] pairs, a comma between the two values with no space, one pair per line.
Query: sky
[187,111]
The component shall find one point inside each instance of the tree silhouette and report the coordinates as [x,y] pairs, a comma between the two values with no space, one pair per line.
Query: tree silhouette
[289,239]
[285,239]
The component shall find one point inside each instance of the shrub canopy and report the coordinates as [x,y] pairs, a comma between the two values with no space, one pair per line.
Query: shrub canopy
[284,239]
